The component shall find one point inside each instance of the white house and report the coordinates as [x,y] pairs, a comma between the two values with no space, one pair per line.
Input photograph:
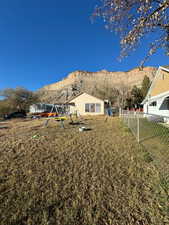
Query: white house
[157,100]
[85,104]
[42,107]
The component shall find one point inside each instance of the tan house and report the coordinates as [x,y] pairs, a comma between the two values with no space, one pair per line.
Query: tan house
[85,104]
[157,99]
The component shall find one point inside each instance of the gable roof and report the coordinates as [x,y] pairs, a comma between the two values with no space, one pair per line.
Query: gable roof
[161,68]
[166,67]
[162,95]
[71,99]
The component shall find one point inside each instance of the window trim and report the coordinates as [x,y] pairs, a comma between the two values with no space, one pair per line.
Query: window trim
[89,107]
[153,104]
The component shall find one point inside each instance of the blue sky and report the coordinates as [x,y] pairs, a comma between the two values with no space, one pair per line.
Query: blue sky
[42,41]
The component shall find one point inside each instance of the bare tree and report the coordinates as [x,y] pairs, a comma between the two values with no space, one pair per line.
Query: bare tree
[19,98]
[133,19]
[123,94]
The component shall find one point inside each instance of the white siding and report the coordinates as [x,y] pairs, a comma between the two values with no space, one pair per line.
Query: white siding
[156,110]
[83,99]
[34,109]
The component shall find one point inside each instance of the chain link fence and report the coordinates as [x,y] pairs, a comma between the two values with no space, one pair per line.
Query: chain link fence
[150,130]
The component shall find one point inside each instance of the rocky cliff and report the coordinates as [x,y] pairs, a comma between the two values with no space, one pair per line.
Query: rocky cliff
[79,81]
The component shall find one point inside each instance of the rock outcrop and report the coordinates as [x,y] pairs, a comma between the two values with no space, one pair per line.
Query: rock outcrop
[79,81]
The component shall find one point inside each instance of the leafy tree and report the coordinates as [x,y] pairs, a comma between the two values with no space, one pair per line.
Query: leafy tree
[133,19]
[5,107]
[137,96]
[145,86]
[18,98]
[129,103]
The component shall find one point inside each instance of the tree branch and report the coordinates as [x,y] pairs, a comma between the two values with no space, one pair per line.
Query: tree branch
[155,11]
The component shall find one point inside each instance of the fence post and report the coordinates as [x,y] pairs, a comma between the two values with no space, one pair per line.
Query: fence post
[138,128]
[128,116]
[120,112]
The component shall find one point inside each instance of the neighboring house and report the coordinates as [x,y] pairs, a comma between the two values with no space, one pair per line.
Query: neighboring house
[157,99]
[85,104]
[41,107]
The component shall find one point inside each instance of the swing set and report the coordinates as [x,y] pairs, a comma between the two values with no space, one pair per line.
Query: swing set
[57,114]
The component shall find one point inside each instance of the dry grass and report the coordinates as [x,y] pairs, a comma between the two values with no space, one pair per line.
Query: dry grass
[67,177]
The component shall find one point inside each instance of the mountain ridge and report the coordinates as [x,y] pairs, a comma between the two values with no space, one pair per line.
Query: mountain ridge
[89,81]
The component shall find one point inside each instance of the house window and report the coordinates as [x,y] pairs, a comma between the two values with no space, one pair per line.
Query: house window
[167,101]
[165,104]
[92,107]
[87,109]
[153,103]
[98,108]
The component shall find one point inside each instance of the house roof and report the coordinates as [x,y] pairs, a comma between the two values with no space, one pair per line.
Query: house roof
[162,95]
[164,68]
[71,99]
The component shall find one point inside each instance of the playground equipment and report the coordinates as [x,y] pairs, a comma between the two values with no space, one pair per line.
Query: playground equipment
[59,113]
[47,110]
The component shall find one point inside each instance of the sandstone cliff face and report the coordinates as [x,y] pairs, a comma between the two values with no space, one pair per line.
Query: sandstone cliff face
[88,81]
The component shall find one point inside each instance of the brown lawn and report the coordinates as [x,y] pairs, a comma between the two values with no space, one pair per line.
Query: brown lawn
[51,176]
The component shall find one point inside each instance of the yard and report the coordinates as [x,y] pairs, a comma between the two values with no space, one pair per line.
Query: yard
[55,176]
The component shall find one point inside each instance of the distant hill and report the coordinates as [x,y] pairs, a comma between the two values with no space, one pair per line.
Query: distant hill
[92,82]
